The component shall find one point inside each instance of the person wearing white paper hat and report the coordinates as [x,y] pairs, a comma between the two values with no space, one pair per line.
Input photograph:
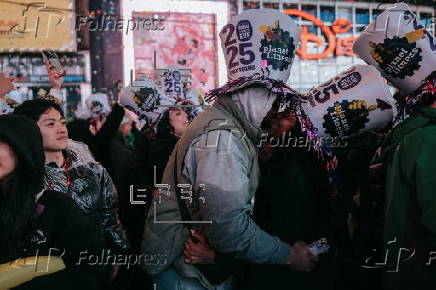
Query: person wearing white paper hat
[98,126]
[146,99]
[399,47]
[405,53]
[217,156]
[98,105]
[174,83]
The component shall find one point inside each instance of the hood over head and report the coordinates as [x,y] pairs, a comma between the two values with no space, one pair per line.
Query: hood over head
[255,103]
[24,136]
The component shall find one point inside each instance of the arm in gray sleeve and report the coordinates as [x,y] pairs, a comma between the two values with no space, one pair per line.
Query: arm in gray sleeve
[224,169]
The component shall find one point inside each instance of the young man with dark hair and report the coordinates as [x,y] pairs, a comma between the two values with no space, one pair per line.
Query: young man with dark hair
[86,182]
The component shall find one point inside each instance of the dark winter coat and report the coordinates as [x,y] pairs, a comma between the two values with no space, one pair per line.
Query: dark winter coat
[94,192]
[410,155]
[160,151]
[72,235]
[292,203]
[121,170]
[147,154]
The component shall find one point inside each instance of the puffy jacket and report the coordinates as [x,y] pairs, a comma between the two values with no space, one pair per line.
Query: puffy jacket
[94,192]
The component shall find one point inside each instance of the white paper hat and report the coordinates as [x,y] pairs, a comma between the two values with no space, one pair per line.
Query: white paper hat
[5,108]
[98,104]
[145,99]
[82,112]
[354,102]
[10,101]
[259,44]
[15,96]
[399,47]
[172,81]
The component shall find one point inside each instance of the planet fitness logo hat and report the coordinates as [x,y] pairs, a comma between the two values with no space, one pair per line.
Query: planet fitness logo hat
[98,104]
[259,42]
[145,99]
[172,81]
[354,102]
[399,47]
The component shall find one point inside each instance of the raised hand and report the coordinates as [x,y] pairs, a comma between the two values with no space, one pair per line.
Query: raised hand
[56,78]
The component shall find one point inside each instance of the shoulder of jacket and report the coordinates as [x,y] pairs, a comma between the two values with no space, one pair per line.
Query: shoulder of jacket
[421,135]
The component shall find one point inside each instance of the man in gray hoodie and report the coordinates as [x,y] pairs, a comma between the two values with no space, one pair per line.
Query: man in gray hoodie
[218,157]
[215,168]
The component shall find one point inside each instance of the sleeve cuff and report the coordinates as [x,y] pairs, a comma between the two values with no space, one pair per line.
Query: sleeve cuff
[117,104]
[283,254]
[118,108]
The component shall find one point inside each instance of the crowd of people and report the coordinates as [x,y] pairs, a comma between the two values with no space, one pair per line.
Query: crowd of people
[200,200]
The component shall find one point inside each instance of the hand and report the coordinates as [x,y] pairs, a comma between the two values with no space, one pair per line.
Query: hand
[332,164]
[55,77]
[198,253]
[301,258]
[6,85]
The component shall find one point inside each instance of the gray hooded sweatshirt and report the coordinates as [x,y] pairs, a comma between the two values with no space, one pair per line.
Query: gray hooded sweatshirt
[218,171]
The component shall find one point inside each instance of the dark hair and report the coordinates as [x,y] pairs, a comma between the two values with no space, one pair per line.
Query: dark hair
[285,144]
[164,127]
[17,209]
[35,108]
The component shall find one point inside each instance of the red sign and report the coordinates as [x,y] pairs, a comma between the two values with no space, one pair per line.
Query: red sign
[338,45]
